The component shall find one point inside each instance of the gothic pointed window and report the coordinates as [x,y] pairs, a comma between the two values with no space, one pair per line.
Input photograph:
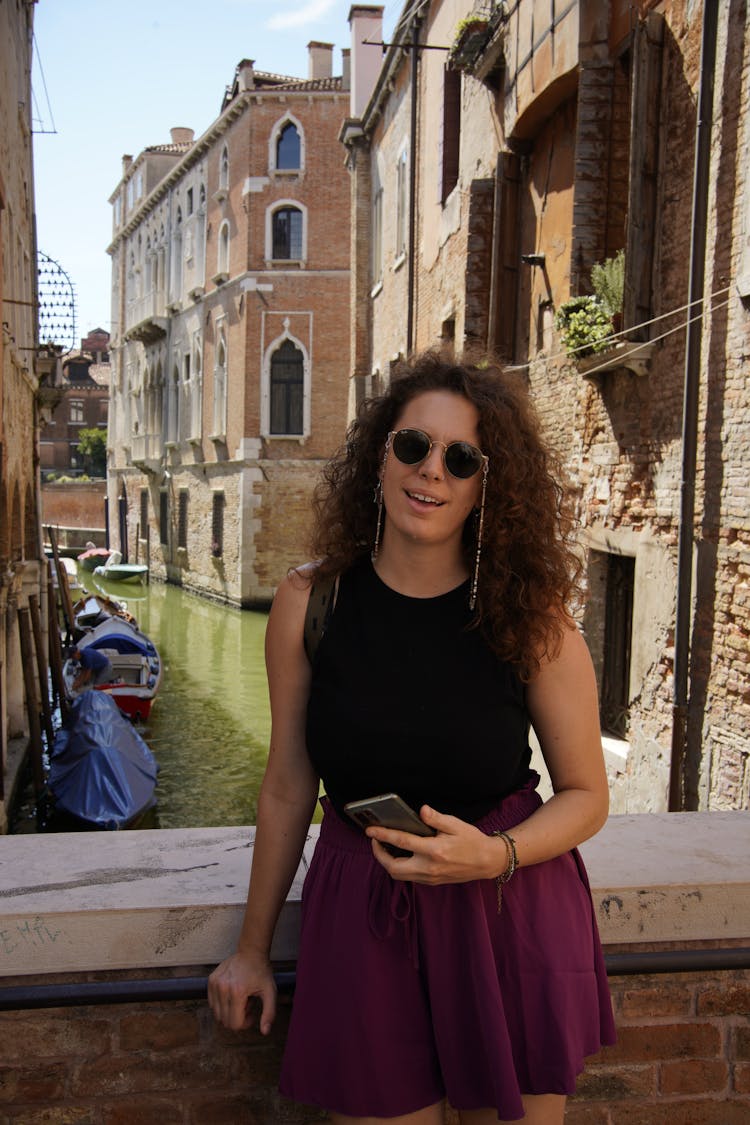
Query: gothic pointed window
[288,148]
[287,390]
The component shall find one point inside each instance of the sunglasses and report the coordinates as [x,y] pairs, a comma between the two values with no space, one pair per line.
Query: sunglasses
[461,459]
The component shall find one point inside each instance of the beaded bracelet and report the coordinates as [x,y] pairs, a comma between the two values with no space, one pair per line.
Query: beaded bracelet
[506,875]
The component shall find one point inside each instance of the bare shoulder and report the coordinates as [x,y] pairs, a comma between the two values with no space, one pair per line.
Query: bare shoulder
[287,617]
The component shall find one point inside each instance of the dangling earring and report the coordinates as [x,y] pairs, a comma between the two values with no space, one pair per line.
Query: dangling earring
[480,529]
[378,498]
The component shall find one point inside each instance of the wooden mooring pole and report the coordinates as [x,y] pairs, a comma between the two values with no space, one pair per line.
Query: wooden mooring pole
[32,698]
[42,671]
[55,653]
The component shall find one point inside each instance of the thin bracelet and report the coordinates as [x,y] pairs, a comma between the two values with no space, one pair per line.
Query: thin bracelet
[511,865]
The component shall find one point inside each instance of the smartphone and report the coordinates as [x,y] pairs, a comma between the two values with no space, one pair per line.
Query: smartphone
[388,811]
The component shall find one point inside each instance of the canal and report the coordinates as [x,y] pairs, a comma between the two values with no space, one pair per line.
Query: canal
[210,724]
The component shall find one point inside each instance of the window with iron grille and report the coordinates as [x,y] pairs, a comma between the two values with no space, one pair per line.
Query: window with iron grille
[182,519]
[144,514]
[164,517]
[217,525]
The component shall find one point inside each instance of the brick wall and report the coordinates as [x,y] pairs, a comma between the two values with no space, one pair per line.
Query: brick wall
[74,505]
[683,1056]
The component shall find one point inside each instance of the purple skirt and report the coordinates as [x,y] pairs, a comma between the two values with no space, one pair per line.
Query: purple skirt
[408,993]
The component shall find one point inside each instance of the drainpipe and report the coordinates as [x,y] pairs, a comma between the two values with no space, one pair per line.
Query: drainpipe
[412,186]
[678,797]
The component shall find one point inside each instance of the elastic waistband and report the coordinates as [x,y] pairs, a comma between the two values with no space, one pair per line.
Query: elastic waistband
[511,810]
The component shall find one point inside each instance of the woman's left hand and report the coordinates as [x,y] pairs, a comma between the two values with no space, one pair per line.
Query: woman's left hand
[457,854]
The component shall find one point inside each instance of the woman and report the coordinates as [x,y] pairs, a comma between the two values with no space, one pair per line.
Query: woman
[469,968]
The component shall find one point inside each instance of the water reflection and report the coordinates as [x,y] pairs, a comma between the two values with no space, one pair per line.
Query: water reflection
[210,724]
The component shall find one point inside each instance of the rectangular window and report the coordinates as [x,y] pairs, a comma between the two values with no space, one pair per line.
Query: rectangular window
[217,525]
[377,237]
[618,627]
[164,517]
[144,514]
[402,205]
[451,139]
[76,410]
[182,519]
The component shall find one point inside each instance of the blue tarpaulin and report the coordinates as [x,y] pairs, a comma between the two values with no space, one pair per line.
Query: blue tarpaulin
[101,770]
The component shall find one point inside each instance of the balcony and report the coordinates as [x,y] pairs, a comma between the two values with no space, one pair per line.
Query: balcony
[146,319]
[146,451]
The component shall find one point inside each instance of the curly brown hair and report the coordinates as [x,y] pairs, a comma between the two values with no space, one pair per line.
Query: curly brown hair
[529,569]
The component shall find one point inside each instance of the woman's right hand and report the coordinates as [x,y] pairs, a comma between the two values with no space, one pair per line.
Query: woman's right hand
[231,987]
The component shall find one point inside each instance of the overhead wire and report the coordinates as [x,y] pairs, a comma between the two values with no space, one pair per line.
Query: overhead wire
[639,345]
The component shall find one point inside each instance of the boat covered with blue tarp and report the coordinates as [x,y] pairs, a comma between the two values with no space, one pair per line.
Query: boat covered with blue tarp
[102,773]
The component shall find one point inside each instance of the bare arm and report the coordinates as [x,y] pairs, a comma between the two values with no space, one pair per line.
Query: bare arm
[285,806]
[562,702]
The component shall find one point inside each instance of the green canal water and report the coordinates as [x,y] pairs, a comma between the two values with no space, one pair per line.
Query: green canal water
[210,724]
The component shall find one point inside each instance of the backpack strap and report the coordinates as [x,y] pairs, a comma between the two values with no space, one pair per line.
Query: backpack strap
[321,602]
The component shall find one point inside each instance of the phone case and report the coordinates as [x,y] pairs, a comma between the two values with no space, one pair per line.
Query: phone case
[387,810]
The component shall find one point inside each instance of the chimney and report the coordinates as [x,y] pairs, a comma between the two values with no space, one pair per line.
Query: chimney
[246,75]
[319,60]
[366,23]
[181,135]
[346,69]
[127,160]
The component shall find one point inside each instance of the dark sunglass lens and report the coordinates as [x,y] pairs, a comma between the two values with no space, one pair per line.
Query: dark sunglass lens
[462,459]
[411,446]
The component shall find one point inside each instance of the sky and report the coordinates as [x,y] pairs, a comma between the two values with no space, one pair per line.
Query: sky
[110,79]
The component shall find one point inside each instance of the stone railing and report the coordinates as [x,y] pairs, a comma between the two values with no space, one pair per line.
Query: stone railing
[116,914]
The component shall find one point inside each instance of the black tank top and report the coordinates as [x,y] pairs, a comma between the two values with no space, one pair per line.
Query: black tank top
[406,699]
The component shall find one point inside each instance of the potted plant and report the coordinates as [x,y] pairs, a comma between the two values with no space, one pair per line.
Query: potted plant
[584,325]
[588,323]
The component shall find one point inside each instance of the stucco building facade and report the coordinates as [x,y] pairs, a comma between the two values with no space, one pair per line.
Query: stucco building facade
[492,168]
[230,341]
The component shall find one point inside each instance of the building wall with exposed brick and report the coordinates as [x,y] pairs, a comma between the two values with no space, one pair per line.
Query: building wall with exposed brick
[225,486]
[20,542]
[585,151]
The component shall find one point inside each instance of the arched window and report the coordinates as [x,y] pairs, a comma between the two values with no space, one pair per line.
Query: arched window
[288,148]
[224,169]
[287,390]
[287,234]
[177,263]
[223,262]
[220,386]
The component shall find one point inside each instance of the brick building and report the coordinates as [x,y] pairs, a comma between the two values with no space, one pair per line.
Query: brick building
[488,178]
[83,404]
[22,366]
[230,291]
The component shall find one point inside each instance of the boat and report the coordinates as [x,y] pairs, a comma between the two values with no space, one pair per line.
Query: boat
[114,568]
[102,774]
[94,556]
[93,609]
[135,662]
[71,573]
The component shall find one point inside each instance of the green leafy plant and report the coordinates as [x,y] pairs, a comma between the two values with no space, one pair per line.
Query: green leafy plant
[608,281]
[584,324]
[92,445]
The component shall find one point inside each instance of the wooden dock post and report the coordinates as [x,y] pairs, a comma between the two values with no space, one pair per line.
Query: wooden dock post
[32,699]
[42,670]
[55,653]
